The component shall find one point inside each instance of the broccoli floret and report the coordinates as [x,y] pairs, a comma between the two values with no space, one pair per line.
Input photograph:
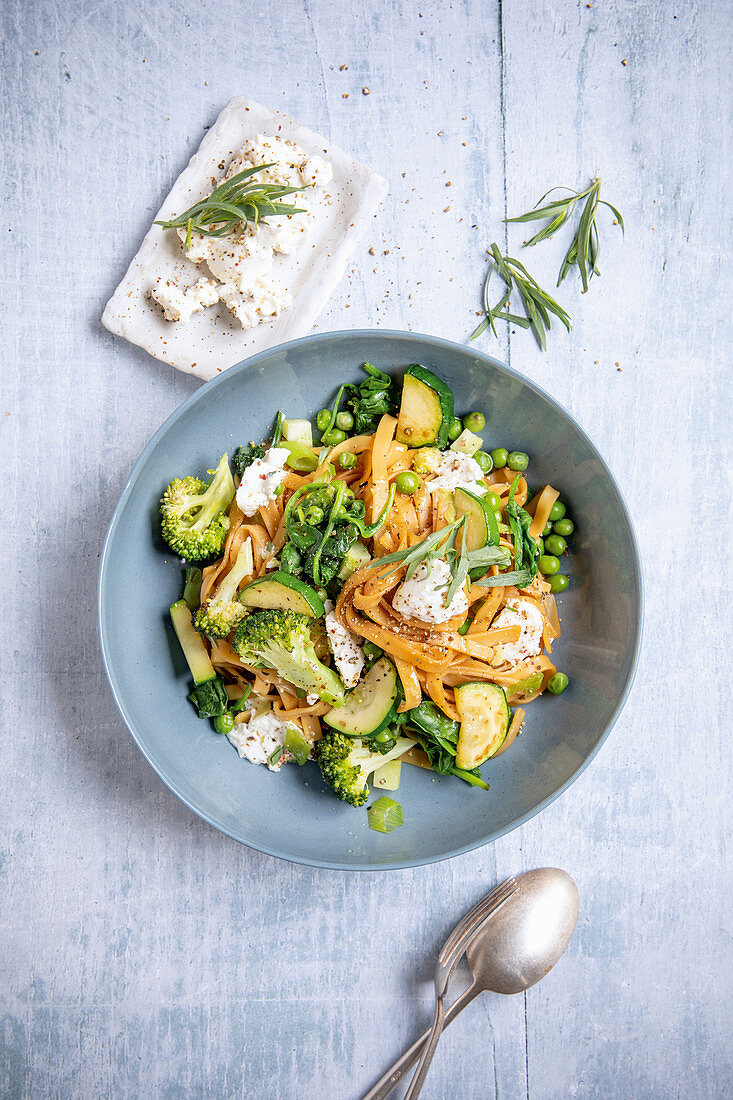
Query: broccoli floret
[219,616]
[281,640]
[346,764]
[194,522]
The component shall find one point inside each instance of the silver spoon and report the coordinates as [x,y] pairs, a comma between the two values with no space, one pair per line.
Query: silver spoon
[510,952]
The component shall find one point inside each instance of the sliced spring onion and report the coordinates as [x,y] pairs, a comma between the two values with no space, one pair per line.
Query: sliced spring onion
[275,756]
[302,458]
[385,815]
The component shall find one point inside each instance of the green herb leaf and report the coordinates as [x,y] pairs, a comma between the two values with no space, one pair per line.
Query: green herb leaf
[537,303]
[234,203]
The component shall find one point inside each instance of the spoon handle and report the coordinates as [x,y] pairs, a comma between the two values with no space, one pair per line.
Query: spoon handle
[395,1073]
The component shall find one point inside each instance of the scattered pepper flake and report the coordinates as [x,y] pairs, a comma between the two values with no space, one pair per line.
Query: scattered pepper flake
[365,91]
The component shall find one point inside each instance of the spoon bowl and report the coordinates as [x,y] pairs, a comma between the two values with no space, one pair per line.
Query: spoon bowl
[525,938]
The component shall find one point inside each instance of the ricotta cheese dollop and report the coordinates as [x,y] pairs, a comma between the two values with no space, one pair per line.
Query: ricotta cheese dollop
[257,739]
[423,595]
[457,471]
[244,265]
[521,613]
[261,481]
[348,655]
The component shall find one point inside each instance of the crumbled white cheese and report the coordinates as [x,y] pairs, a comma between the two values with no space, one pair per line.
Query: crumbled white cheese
[347,653]
[525,614]
[423,595]
[261,481]
[180,305]
[457,471]
[243,264]
[311,700]
[257,739]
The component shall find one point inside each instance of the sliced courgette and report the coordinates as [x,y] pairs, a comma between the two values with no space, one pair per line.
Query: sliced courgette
[426,411]
[467,443]
[298,431]
[484,713]
[356,556]
[370,706]
[481,528]
[281,591]
[192,644]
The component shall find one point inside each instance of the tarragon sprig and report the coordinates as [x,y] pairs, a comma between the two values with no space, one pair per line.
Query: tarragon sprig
[442,544]
[526,550]
[233,203]
[537,303]
[584,248]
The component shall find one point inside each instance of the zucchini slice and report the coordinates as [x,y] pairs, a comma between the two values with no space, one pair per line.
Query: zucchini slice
[370,706]
[481,528]
[192,644]
[356,556]
[426,411]
[484,714]
[467,443]
[281,591]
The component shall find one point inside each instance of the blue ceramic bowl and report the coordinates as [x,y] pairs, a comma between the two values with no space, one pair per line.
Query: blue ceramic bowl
[291,815]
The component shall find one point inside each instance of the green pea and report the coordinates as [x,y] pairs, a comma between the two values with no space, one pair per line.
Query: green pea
[383,737]
[540,545]
[518,460]
[559,583]
[493,500]
[321,592]
[556,545]
[314,515]
[290,559]
[547,530]
[564,527]
[333,437]
[558,683]
[407,483]
[323,419]
[224,723]
[484,461]
[346,461]
[344,421]
[348,494]
[455,429]
[548,564]
[475,422]
[499,457]
[557,511]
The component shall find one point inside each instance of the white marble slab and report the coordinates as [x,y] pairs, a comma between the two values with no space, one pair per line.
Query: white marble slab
[144,955]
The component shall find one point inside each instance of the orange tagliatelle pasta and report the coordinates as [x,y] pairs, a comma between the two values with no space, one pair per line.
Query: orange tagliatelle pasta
[487,643]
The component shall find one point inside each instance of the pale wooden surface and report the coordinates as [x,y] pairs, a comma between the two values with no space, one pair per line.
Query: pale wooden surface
[145,955]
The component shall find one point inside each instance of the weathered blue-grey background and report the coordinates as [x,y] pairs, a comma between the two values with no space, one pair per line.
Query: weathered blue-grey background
[141,953]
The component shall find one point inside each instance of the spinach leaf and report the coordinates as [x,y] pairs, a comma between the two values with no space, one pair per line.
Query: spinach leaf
[245,456]
[210,698]
[333,549]
[371,399]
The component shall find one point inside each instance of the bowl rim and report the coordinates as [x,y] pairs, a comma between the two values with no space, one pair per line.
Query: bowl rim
[242,367]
